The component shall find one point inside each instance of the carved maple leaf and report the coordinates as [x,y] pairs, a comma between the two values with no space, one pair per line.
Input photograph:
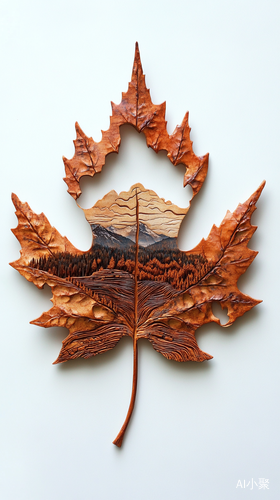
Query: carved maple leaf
[134,280]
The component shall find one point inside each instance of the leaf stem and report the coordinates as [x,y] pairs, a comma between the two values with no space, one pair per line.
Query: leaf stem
[119,438]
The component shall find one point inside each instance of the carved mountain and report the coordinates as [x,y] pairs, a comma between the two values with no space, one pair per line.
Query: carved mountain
[164,244]
[107,238]
[158,219]
[147,237]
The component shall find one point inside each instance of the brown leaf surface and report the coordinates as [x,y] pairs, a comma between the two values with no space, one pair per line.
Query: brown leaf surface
[227,252]
[36,236]
[153,291]
[112,303]
[94,324]
[135,281]
[137,109]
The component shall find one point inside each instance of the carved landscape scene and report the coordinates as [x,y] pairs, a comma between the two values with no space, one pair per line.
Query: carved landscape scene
[116,226]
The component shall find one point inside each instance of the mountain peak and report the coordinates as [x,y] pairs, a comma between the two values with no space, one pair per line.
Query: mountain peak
[124,237]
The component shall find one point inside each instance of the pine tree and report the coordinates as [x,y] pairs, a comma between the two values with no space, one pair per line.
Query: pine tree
[112,263]
[94,266]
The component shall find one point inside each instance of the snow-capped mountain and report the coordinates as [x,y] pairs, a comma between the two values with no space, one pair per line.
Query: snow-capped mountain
[112,237]
[146,236]
[107,238]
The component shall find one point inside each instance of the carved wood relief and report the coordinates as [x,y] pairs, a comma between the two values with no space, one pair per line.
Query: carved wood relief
[134,280]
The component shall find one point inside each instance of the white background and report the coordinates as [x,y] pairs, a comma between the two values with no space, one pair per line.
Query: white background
[197,428]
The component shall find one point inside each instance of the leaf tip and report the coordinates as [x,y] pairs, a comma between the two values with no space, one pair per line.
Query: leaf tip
[15,199]
[80,133]
[206,357]
[35,322]
[137,65]
[259,190]
[56,361]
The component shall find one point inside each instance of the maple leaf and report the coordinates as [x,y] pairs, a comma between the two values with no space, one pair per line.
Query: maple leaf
[134,281]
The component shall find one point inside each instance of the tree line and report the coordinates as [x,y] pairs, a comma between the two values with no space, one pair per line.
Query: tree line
[164,265]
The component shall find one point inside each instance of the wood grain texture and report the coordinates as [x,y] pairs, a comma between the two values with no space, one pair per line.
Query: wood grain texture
[134,280]
[136,109]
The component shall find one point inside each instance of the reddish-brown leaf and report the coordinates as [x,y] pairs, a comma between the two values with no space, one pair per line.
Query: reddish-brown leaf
[137,109]
[134,281]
